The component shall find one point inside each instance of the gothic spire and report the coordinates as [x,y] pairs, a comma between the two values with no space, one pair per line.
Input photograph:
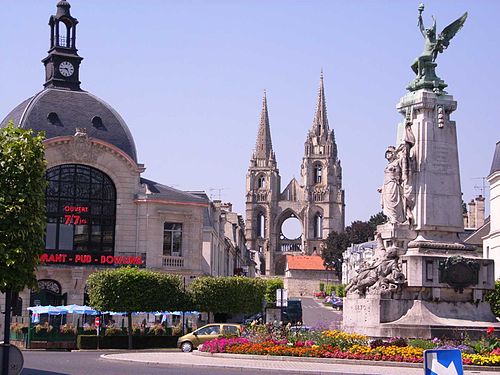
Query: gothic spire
[320,122]
[264,146]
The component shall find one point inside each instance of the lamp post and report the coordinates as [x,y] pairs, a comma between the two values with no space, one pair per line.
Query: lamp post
[6,334]
[183,308]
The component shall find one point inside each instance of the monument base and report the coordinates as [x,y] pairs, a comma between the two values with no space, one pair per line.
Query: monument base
[372,316]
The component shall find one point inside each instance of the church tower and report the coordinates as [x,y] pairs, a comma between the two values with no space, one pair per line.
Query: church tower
[263,184]
[62,65]
[322,179]
[316,202]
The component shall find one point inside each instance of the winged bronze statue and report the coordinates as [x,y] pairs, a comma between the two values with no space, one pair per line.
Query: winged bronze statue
[434,45]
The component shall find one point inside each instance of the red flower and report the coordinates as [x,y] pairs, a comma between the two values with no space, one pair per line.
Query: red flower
[490,330]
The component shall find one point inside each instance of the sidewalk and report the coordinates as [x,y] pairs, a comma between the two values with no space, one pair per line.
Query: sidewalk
[293,365]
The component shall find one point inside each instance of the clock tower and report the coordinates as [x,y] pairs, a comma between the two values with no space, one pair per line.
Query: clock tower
[63,63]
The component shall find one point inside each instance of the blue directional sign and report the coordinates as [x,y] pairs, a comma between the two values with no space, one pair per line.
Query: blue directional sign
[443,362]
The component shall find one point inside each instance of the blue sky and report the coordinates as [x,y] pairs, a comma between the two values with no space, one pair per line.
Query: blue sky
[188,78]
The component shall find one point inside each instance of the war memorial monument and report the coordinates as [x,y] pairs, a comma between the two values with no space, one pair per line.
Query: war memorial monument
[423,281]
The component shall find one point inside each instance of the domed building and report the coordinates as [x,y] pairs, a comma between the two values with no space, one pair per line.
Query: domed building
[100,211]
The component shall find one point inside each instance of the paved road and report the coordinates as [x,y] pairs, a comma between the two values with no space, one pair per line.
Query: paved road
[315,314]
[177,363]
[85,363]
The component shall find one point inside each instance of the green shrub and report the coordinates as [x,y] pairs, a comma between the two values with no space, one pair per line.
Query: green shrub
[423,344]
[321,287]
[114,331]
[493,297]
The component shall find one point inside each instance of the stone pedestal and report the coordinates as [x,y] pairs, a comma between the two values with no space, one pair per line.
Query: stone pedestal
[445,281]
[435,174]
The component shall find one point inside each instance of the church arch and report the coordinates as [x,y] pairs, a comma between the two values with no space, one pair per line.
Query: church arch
[289,242]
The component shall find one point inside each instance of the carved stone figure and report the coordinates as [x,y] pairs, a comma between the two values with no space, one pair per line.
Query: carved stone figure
[392,194]
[380,275]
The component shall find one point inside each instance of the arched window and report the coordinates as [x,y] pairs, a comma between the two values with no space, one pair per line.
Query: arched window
[261,182]
[318,226]
[81,210]
[318,171]
[261,225]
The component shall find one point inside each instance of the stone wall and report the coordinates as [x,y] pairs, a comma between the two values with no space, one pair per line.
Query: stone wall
[304,283]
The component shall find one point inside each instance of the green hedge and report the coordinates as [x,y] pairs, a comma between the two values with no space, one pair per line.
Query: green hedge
[339,289]
[120,342]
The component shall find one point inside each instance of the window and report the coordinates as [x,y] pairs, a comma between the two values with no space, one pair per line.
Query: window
[210,330]
[97,122]
[81,210]
[261,225]
[261,182]
[318,226]
[318,170]
[230,330]
[172,239]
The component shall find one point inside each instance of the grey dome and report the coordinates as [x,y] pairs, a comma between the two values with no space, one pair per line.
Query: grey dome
[60,112]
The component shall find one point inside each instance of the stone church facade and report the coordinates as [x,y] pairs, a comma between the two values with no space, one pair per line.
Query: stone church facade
[317,201]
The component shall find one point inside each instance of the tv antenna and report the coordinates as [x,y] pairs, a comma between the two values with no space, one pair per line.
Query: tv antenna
[215,193]
[482,187]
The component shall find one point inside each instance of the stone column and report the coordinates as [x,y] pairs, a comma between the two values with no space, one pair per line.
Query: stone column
[435,170]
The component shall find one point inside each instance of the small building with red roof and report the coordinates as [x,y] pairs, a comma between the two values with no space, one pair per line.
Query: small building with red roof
[304,273]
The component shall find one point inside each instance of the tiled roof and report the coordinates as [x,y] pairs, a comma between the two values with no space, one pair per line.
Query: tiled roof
[158,190]
[305,262]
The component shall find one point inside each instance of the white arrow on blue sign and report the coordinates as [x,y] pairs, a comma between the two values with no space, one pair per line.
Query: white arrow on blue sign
[443,362]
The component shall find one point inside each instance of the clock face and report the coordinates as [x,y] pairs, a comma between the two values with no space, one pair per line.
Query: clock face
[66,68]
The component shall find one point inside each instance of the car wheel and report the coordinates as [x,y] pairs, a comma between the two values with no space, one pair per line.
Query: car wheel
[187,347]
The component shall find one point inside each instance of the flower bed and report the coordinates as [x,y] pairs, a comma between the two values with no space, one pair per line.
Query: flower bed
[279,341]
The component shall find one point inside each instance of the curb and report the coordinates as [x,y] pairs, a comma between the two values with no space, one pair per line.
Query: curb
[335,361]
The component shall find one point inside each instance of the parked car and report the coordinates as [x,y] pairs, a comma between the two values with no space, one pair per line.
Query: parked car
[255,317]
[208,332]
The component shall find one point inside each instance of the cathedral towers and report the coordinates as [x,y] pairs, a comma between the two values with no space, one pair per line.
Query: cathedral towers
[317,201]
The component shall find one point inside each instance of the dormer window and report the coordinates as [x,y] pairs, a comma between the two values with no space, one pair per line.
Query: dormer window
[97,122]
[53,118]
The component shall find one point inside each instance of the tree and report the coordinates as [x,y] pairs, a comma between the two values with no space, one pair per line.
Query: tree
[271,286]
[335,245]
[130,289]
[22,206]
[359,232]
[232,294]
[22,215]
[377,219]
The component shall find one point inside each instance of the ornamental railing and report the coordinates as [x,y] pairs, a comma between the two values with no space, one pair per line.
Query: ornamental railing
[172,262]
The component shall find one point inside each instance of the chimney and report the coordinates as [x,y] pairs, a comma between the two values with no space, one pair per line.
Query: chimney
[479,213]
[471,214]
